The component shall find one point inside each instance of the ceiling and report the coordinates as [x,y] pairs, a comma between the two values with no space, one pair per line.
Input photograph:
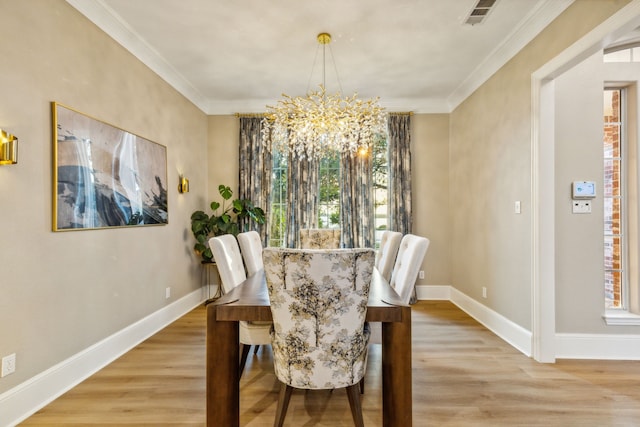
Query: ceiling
[239,56]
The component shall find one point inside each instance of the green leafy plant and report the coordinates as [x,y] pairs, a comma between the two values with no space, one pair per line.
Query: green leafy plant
[230,217]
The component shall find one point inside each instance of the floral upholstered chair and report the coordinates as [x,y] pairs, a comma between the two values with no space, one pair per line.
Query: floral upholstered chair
[319,303]
[319,238]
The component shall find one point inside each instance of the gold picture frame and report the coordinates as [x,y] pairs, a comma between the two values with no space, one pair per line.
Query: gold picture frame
[104,176]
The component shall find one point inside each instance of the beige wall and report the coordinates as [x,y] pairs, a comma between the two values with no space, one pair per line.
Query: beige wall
[62,292]
[430,185]
[490,169]
[224,155]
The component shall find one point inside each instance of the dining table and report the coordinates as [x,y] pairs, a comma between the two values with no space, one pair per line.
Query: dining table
[249,301]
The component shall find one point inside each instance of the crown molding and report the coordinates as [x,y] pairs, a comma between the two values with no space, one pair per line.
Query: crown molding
[538,19]
[109,22]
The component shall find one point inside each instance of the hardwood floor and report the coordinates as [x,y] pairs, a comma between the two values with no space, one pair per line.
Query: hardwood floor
[463,375]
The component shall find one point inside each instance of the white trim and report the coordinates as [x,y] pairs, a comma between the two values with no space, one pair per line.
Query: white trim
[98,12]
[543,221]
[511,332]
[25,399]
[621,318]
[596,346]
[424,292]
[566,346]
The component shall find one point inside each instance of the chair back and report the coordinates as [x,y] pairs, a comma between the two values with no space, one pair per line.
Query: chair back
[319,238]
[319,303]
[226,254]
[386,255]
[405,271]
[251,247]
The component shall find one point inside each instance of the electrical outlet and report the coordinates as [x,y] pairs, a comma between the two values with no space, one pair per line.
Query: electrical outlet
[484,292]
[8,365]
[167,293]
[421,274]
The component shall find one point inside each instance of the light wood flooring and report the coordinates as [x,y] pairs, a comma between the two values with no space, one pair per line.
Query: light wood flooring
[463,375]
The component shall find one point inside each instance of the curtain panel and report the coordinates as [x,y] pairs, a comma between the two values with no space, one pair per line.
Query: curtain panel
[302,197]
[356,201]
[400,172]
[255,171]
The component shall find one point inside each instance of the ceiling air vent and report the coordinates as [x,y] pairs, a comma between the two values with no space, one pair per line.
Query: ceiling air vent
[480,12]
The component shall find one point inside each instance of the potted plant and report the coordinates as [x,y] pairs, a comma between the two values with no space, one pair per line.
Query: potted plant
[226,218]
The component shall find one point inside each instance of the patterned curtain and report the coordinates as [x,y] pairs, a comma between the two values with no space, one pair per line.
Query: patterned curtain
[302,198]
[255,170]
[356,201]
[400,172]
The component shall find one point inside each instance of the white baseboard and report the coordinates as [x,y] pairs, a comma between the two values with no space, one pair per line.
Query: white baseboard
[512,333]
[433,292]
[25,399]
[567,346]
[597,346]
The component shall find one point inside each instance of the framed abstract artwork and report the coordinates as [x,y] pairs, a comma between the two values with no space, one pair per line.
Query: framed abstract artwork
[104,176]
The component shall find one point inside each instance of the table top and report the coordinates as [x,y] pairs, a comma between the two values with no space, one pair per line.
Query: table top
[250,301]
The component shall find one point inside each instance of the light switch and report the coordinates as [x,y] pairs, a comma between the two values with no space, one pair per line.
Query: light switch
[516,208]
[581,206]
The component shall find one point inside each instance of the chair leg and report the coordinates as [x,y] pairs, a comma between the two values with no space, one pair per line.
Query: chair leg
[243,358]
[362,385]
[356,407]
[283,404]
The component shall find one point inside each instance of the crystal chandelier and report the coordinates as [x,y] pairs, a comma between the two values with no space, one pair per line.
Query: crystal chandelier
[321,124]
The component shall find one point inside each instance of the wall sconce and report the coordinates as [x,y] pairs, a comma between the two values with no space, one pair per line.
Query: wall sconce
[183,185]
[8,148]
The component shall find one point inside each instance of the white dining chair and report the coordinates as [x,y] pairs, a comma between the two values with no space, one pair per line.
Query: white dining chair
[408,262]
[226,254]
[251,248]
[403,279]
[386,254]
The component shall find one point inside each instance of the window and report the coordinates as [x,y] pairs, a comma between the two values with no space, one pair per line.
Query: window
[278,209]
[621,191]
[328,193]
[614,202]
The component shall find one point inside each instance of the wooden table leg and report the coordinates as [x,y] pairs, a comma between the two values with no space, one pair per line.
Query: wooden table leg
[397,405]
[223,381]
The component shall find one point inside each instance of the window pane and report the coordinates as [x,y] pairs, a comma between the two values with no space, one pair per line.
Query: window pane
[611,180]
[612,291]
[329,182]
